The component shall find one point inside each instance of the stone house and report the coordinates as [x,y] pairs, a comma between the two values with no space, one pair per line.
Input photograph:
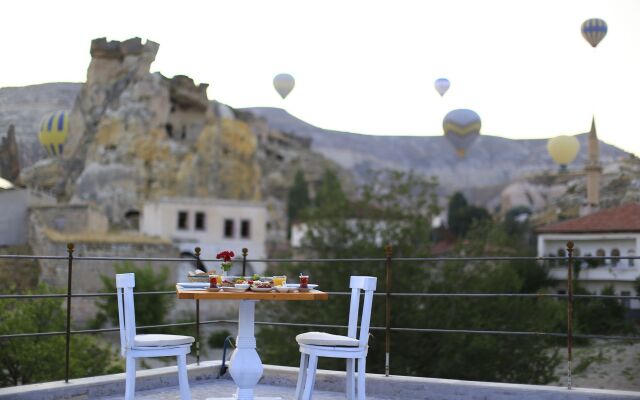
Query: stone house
[213,225]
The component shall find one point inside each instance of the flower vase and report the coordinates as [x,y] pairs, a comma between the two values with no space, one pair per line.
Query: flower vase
[225,269]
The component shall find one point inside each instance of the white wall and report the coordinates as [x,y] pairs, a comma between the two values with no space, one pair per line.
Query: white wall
[13,217]
[161,219]
[14,205]
[621,275]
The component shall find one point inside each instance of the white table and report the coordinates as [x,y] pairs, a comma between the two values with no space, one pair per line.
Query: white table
[246,366]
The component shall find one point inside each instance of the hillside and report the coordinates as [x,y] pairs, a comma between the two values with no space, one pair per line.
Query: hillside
[491,162]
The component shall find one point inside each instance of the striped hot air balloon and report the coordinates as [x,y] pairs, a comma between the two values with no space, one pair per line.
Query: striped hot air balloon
[594,30]
[461,127]
[53,132]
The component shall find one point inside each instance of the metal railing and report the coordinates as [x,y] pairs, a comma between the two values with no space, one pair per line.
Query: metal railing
[387,261]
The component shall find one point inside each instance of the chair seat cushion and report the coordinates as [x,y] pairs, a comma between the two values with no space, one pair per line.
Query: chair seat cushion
[326,339]
[162,340]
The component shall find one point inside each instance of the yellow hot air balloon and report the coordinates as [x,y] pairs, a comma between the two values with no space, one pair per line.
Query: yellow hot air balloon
[563,150]
[53,132]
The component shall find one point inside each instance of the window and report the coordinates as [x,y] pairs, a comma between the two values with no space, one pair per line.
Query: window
[615,253]
[562,253]
[201,221]
[600,253]
[228,228]
[576,257]
[553,263]
[245,229]
[626,303]
[183,220]
[631,253]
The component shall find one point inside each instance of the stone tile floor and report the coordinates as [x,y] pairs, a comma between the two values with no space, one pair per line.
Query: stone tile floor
[225,387]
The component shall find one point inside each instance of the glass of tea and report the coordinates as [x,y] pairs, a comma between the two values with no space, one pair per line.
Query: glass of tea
[213,281]
[304,281]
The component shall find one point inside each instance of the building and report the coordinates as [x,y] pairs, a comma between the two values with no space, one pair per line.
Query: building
[613,232]
[213,225]
[14,218]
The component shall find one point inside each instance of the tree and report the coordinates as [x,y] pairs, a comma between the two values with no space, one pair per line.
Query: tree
[397,208]
[150,309]
[330,193]
[39,359]
[600,316]
[461,215]
[298,199]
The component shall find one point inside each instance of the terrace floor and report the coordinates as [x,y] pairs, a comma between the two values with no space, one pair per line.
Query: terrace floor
[278,381]
[225,388]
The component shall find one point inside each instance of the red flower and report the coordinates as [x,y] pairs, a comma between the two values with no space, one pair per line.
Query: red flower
[225,255]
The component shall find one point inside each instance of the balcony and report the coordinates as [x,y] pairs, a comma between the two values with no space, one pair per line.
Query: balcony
[161,382]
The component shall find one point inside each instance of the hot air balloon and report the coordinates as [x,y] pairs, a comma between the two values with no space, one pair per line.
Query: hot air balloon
[563,150]
[461,127]
[284,84]
[594,30]
[442,85]
[53,132]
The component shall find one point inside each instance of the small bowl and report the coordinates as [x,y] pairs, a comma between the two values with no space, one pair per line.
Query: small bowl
[241,286]
[282,289]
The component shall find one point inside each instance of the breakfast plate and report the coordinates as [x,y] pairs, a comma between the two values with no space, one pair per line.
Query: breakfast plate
[193,285]
[258,289]
[295,286]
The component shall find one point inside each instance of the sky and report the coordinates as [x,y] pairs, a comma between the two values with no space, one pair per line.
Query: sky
[364,66]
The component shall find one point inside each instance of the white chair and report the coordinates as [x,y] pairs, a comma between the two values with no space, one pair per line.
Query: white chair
[350,347]
[136,346]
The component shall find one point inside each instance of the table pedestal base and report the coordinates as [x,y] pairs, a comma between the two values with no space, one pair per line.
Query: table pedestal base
[245,364]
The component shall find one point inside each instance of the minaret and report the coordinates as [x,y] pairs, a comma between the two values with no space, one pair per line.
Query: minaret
[593,171]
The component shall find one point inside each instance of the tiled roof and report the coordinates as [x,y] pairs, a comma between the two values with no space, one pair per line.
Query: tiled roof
[625,218]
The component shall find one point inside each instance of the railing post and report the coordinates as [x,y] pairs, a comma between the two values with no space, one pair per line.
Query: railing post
[569,311]
[245,251]
[198,263]
[388,249]
[70,248]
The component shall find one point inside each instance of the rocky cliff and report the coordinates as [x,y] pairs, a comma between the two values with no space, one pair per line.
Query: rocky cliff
[135,136]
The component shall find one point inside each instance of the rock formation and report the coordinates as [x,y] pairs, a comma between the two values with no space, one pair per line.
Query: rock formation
[135,136]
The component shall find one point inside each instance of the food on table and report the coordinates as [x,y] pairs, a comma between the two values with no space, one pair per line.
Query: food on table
[279,280]
[262,285]
[226,284]
[255,277]
[239,280]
